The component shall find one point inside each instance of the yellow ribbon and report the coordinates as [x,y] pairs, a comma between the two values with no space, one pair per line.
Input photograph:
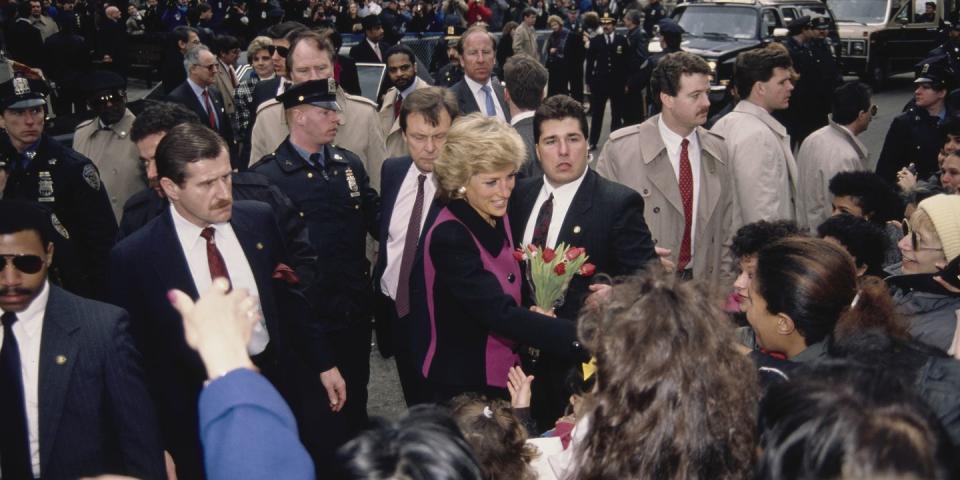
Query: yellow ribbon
[589,368]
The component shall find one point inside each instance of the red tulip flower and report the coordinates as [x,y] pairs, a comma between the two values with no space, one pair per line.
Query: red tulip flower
[573,253]
[549,254]
[518,255]
[560,268]
[587,269]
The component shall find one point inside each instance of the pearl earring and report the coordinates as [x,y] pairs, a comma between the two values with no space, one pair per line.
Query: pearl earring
[462,190]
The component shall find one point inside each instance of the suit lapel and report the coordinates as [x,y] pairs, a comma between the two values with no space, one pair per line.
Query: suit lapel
[654,153]
[526,199]
[571,231]
[59,347]
[168,258]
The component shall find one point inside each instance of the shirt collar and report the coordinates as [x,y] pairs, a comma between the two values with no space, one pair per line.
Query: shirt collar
[492,238]
[811,353]
[197,89]
[187,232]
[671,139]
[520,116]
[31,319]
[475,86]
[567,190]
[305,155]
[413,86]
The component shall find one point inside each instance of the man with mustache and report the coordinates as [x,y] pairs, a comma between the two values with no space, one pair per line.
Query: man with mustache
[203,235]
[105,139]
[402,71]
[147,131]
[764,171]
[73,402]
[682,172]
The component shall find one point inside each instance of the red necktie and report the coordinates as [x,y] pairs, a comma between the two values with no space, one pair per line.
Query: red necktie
[397,106]
[218,268]
[212,116]
[410,251]
[686,195]
[542,228]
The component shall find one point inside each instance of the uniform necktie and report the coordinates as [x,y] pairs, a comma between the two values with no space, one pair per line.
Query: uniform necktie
[397,106]
[410,251]
[542,227]
[686,196]
[15,461]
[488,97]
[609,39]
[218,267]
[211,116]
[316,159]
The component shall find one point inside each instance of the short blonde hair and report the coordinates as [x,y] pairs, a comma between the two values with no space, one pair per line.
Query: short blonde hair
[476,144]
[554,19]
[257,44]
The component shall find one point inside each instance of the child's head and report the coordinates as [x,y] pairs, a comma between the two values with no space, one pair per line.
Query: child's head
[580,382]
[496,435]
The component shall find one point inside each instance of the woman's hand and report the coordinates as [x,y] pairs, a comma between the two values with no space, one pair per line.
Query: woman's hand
[906,179]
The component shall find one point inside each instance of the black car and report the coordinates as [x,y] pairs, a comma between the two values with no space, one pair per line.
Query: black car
[718,30]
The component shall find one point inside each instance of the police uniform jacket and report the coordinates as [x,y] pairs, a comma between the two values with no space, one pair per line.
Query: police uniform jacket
[607,63]
[340,208]
[913,137]
[358,132]
[115,155]
[635,59]
[69,184]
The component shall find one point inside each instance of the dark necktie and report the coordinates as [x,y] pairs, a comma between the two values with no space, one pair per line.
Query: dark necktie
[218,268]
[15,459]
[316,160]
[410,251]
[211,116]
[397,106]
[686,195]
[542,227]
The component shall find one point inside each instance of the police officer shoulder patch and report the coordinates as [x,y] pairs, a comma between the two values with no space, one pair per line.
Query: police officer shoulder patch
[59,226]
[91,176]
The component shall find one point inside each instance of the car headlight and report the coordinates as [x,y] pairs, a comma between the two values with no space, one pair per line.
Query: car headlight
[713,66]
[858,48]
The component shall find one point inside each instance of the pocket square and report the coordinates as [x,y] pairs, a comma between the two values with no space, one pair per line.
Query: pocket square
[285,273]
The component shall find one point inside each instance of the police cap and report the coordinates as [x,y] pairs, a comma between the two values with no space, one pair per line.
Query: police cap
[820,22]
[103,81]
[370,21]
[21,92]
[669,26]
[934,70]
[797,25]
[607,18]
[319,93]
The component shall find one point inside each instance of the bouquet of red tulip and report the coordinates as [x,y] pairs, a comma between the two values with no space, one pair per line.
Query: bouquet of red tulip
[549,271]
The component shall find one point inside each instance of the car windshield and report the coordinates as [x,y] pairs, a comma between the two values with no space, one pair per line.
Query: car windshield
[859,11]
[731,22]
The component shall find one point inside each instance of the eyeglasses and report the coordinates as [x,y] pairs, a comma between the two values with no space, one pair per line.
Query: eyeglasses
[907,230]
[282,51]
[212,67]
[25,263]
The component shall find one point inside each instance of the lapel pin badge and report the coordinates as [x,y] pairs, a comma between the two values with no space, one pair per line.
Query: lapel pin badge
[259,246]
[576,229]
[61,359]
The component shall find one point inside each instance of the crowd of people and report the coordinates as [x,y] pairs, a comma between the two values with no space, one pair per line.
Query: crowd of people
[191,291]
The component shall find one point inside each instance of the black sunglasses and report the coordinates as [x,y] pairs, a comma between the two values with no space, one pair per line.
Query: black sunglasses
[282,51]
[25,263]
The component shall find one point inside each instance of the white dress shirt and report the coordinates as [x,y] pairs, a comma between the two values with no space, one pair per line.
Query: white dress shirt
[28,331]
[562,198]
[198,92]
[241,275]
[481,97]
[397,234]
[672,141]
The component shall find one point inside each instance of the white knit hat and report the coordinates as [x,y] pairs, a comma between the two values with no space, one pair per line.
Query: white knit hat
[944,211]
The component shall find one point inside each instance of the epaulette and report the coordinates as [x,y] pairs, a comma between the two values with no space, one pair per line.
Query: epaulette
[266,158]
[269,103]
[360,99]
[250,179]
[623,132]
[713,134]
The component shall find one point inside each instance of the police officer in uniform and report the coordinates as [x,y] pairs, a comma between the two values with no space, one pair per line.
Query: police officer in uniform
[105,139]
[637,40]
[914,136]
[825,56]
[950,48]
[38,168]
[606,74]
[576,53]
[330,187]
[804,115]
[653,13]
[452,72]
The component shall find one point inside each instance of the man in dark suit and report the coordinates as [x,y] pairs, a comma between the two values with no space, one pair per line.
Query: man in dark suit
[172,73]
[574,205]
[24,41]
[408,210]
[73,402]
[606,75]
[526,79]
[479,91]
[199,94]
[372,48]
[204,235]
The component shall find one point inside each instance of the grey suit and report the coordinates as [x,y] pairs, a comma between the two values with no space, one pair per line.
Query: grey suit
[531,166]
[468,104]
[637,157]
[96,415]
